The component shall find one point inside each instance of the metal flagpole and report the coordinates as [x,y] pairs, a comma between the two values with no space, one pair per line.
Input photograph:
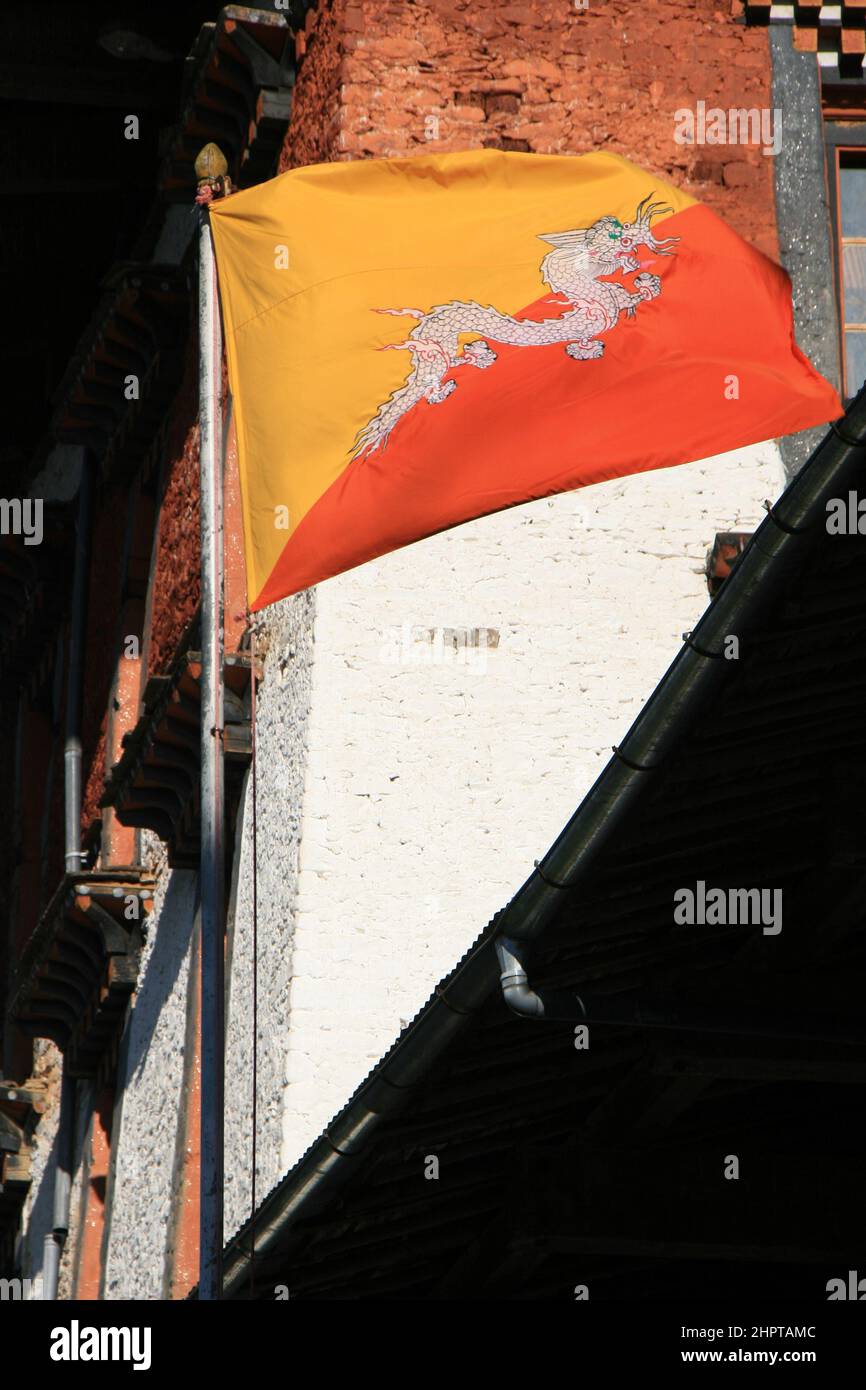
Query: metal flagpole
[210,168]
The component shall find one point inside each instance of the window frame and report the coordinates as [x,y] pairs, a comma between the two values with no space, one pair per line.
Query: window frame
[841,139]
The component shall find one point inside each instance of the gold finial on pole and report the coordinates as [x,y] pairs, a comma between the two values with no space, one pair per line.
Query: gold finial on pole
[211,171]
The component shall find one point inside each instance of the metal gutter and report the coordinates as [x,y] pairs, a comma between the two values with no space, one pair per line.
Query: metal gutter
[773,554]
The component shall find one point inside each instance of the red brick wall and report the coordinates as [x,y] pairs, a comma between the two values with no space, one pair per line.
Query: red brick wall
[315,105]
[176,581]
[542,76]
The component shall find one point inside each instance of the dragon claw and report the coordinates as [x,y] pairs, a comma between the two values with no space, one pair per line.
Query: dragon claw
[441,393]
[648,286]
[479,354]
[585,350]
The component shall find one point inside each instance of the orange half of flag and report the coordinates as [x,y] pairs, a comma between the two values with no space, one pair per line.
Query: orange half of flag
[414,343]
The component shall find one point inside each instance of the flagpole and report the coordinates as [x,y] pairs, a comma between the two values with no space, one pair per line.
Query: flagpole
[210,168]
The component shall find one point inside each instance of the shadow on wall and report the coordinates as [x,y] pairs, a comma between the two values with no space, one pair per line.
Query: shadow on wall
[168,944]
[40,1221]
[166,951]
[148,1123]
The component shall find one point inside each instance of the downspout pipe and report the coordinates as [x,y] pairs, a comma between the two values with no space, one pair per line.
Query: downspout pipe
[75,670]
[56,1239]
[57,1236]
[656,1012]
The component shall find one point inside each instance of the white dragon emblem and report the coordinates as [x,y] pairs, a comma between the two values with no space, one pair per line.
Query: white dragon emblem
[573,271]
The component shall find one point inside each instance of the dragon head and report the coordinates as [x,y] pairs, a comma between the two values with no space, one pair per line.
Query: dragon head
[629,235]
[610,244]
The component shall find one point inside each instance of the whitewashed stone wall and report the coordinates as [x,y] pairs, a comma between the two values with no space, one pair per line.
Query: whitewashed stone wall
[283,710]
[150,1079]
[436,778]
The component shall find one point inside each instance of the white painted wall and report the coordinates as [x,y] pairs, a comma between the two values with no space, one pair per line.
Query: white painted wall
[431,788]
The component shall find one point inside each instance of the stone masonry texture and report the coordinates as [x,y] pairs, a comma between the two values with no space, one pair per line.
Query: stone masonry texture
[392,78]
[282,733]
[150,1084]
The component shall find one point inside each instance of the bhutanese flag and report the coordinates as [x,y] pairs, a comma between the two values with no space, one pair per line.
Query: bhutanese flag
[416,342]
